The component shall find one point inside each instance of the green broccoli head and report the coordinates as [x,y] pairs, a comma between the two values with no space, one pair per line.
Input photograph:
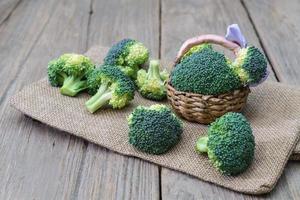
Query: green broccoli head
[205,72]
[109,85]
[128,54]
[196,48]
[230,144]
[250,65]
[151,84]
[154,129]
[70,71]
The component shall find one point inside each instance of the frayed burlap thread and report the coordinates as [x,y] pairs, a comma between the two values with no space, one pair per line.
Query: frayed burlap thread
[273,110]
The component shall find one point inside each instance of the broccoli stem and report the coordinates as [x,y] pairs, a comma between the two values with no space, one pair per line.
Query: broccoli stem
[153,71]
[101,98]
[72,85]
[201,145]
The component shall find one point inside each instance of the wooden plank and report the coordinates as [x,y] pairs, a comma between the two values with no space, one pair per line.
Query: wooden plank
[182,20]
[282,46]
[278,25]
[107,175]
[38,162]
[6,8]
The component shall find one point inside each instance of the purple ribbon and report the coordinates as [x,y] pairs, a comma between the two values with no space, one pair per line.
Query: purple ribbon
[234,34]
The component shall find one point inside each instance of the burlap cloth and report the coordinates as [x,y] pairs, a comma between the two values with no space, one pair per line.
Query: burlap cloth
[273,110]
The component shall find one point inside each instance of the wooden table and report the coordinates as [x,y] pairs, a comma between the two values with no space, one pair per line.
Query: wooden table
[39,162]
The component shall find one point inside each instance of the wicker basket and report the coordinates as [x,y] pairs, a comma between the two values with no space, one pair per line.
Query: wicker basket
[200,108]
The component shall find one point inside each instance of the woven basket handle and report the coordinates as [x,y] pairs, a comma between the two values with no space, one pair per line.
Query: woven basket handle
[210,38]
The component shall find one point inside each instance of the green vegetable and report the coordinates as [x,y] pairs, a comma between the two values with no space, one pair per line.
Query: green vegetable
[204,72]
[229,144]
[70,71]
[151,84]
[250,65]
[109,85]
[154,129]
[127,54]
[196,49]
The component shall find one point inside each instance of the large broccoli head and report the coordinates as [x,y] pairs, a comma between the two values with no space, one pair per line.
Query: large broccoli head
[128,54]
[250,65]
[109,85]
[154,129]
[70,71]
[204,72]
[229,144]
[151,84]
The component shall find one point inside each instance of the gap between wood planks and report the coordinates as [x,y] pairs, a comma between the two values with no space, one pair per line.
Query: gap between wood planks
[260,41]
[10,12]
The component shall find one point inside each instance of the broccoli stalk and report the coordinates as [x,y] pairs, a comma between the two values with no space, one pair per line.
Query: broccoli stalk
[201,145]
[153,71]
[72,85]
[151,83]
[101,98]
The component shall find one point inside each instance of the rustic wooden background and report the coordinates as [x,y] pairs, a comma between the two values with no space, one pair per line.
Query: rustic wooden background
[39,162]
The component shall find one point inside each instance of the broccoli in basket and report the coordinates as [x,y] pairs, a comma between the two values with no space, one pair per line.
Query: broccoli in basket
[70,71]
[128,54]
[151,84]
[250,65]
[229,144]
[154,129]
[195,49]
[109,85]
[204,72]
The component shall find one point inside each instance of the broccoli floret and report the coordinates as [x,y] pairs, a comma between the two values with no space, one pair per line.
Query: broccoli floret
[205,72]
[250,65]
[154,129]
[195,49]
[229,144]
[109,85]
[70,71]
[151,84]
[128,54]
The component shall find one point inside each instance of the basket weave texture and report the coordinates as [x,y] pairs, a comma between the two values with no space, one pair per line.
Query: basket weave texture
[205,109]
[200,108]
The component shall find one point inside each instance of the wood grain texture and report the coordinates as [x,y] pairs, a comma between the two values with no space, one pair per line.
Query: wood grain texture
[278,25]
[185,19]
[105,174]
[6,9]
[37,162]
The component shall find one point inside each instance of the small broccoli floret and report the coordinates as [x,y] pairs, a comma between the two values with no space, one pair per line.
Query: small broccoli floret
[151,84]
[109,85]
[195,49]
[70,71]
[128,54]
[154,129]
[230,144]
[250,65]
[205,72]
